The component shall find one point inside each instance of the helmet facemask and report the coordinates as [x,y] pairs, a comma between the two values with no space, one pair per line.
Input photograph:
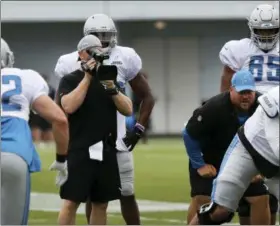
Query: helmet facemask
[265,39]
[107,38]
[8,60]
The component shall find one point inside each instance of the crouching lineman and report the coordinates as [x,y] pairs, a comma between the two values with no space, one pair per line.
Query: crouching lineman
[260,55]
[207,137]
[254,150]
[21,89]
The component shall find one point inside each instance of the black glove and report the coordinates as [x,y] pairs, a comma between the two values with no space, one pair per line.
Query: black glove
[132,137]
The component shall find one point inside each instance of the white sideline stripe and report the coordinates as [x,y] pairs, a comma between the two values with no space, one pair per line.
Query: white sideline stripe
[48,202]
[52,203]
[153,219]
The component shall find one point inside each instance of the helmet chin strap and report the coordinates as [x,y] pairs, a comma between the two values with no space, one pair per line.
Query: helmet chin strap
[112,44]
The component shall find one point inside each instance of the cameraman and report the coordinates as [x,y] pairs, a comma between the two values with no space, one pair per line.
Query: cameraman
[91,100]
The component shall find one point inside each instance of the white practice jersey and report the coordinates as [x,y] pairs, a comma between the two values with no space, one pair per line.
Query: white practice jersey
[125,59]
[262,131]
[19,88]
[244,54]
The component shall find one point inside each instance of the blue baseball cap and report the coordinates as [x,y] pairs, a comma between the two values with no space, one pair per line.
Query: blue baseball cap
[243,80]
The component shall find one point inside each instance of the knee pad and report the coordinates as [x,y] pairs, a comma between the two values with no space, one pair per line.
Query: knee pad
[127,183]
[125,161]
[127,188]
[273,204]
[205,218]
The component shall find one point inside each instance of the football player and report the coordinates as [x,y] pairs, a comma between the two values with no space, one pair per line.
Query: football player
[254,150]
[259,54]
[20,91]
[129,66]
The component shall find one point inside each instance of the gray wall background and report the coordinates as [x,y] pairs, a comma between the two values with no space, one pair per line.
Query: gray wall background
[181,60]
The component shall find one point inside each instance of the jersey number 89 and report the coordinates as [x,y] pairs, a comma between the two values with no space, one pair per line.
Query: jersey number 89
[265,66]
[16,88]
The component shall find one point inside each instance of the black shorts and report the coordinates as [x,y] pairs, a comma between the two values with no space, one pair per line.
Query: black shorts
[91,179]
[244,206]
[203,186]
[36,121]
[199,185]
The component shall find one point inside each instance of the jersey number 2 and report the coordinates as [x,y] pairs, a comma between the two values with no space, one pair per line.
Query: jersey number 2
[265,64]
[16,89]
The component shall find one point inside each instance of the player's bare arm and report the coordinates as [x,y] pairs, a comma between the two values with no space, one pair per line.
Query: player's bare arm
[142,90]
[226,78]
[52,113]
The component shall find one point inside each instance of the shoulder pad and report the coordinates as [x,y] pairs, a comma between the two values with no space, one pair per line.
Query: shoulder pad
[233,53]
[66,64]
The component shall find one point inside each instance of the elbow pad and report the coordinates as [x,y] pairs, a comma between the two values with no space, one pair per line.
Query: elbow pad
[269,105]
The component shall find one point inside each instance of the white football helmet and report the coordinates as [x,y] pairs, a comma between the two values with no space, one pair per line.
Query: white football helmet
[264,26]
[103,27]
[7,56]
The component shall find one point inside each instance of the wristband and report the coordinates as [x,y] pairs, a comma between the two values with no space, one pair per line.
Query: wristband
[113,91]
[140,127]
[60,158]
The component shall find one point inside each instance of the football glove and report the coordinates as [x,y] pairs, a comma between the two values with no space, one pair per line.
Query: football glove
[132,137]
[62,174]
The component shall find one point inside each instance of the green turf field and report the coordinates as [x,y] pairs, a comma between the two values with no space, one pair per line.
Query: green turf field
[161,173]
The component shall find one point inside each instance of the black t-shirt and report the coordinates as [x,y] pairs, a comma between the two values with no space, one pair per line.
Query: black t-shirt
[214,125]
[52,92]
[95,119]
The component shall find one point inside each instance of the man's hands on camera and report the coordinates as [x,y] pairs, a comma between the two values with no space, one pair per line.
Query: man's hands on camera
[60,165]
[88,63]
[110,87]
[88,66]
[132,137]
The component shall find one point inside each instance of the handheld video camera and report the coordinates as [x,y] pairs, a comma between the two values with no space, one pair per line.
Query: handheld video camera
[98,57]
